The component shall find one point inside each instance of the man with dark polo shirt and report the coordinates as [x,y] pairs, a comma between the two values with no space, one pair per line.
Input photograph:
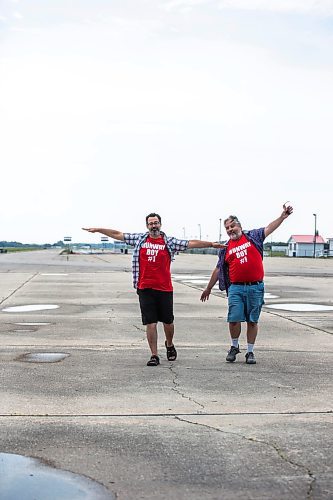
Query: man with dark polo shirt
[152,256]
[240,272]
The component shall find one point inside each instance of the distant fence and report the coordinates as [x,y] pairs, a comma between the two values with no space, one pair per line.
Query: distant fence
[309,253]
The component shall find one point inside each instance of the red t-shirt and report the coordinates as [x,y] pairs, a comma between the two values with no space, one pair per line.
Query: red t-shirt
[154,262]
[245,262]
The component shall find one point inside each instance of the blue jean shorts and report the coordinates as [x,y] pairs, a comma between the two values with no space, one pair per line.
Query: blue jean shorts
[245,302]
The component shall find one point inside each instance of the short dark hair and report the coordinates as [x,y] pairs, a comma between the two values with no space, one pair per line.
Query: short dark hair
[233,218]
[153,215]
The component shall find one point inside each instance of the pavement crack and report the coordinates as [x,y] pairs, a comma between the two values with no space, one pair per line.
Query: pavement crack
[298,322]
[18,288]
[218,294]
[140,329]
[282,454]
[176,388]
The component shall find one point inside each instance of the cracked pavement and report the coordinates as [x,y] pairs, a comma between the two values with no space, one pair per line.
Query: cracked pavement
[197,428]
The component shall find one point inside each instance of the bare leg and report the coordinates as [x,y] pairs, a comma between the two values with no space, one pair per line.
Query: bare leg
[235,329]
[151,331]
[252,330]
[169,330]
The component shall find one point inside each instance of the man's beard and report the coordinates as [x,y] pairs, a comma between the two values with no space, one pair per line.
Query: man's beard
[154,232]
[235,235]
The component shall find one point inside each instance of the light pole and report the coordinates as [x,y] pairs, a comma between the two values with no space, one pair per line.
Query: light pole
[184,232]
[220,233]
[199,225]
[315,236]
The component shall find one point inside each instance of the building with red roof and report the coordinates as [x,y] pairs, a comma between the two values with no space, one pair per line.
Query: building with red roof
[305,245]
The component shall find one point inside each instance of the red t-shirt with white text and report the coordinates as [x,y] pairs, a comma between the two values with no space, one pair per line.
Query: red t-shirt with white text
[245,262]
[154,262]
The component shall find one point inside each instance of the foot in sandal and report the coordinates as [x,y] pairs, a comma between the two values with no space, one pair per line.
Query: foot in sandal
[154,361]
[171,352]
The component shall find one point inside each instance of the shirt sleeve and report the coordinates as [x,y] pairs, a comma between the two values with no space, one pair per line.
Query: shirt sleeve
[178,245]
[132,238]
[257,235]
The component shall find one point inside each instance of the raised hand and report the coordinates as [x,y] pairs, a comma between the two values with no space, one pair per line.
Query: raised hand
[287,210]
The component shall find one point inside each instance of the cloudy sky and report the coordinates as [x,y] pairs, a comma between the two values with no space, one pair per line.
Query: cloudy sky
[195,109]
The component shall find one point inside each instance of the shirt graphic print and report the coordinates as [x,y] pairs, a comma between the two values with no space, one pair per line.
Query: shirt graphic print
[155,265]
[244,260]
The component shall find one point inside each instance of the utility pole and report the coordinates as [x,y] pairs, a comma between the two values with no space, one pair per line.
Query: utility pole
[315,236]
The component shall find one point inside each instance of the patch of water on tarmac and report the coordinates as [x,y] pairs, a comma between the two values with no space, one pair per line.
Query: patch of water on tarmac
[43,357]
[31,307]
[301,307]
[30,479]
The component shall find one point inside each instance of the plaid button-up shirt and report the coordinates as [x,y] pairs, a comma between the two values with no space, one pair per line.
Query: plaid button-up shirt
[136,240]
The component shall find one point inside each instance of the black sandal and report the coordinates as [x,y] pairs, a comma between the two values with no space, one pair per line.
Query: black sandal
[171,352]
[154,361]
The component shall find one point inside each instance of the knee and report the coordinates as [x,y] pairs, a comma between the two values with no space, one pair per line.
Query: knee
[151,327]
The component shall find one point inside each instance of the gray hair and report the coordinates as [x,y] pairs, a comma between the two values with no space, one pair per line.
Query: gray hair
[232,218]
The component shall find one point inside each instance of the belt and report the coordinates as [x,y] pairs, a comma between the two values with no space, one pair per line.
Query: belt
[246,282]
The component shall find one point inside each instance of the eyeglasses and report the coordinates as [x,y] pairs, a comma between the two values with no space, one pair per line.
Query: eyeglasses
[157,223]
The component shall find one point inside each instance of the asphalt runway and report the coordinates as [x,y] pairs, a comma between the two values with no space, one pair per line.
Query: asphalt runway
[196,428]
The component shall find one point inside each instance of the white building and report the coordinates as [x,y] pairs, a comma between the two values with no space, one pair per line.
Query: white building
[303,245]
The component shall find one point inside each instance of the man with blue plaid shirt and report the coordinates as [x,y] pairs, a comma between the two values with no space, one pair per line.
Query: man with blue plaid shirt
[240,272]
[152,256]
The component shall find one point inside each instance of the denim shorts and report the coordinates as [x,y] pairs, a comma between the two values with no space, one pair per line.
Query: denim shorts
[245,302]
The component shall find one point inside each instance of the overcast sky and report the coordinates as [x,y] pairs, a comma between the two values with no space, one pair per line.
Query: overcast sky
[195,109]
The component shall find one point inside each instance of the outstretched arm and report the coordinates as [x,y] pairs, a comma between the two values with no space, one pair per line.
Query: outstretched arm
[213,279]
[287,210]
[204,244]
[117,235]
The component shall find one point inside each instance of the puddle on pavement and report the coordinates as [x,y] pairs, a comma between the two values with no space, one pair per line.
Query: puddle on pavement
[31,307]
[301,307]
[43,357]
[31,479]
